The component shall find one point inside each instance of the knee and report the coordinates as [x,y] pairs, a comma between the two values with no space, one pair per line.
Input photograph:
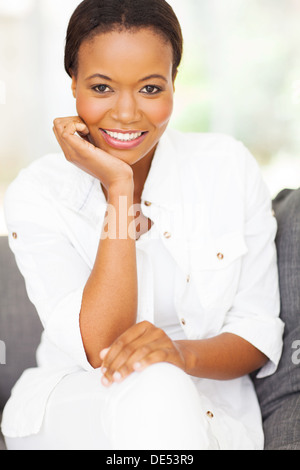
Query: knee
[167,380]
[162,386]
[163,371]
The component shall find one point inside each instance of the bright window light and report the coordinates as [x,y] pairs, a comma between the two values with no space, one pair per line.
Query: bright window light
[15,8]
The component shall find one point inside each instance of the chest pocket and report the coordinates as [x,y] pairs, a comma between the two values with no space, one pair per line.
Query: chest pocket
[216,268]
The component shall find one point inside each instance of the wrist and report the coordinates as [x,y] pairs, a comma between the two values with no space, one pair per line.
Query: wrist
[121,188]
[187,356]
[120,217]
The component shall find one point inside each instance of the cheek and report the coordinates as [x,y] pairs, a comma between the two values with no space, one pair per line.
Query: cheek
[89,110]
[160,114]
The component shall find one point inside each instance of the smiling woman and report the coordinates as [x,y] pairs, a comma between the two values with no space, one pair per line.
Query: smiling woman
[149,335]
[125,108]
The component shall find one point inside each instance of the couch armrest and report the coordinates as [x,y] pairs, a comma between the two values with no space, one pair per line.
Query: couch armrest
[279,394]
[20,327]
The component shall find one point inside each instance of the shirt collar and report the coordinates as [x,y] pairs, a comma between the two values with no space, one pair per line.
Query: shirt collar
[162,187]
[82,192]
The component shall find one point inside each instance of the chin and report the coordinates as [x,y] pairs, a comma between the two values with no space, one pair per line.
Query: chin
[131,157]
[128,157]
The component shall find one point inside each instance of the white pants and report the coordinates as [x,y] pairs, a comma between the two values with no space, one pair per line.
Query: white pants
[157,409]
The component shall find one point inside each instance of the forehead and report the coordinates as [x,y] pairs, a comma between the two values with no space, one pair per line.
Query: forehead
[126,53]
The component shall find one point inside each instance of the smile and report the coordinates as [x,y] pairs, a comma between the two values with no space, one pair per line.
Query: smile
[123,140]
[124,137]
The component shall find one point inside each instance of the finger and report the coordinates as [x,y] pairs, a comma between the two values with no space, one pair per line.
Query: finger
[82,130]
[166,351]
[153,339]
[163,349]
[157,351]
[72,127]
[60,123]
[84,136]
[153,358]
[120,368]
[77,150]
[103,353]
[123,341]
[64,127]
[61,143]
[69,150]
[120,352]
[56,134]
[123,368]
[122,346]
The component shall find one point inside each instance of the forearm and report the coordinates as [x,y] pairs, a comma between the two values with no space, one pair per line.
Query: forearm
[109,305]
[223,357]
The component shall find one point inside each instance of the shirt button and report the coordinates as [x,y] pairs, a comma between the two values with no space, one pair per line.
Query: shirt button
[15,235]
[167,235]
[183,321]
[220,256]
[188,278]
[148,204]
[209,414]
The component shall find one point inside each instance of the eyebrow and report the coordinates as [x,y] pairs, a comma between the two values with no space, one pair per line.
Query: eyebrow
[155,75]
[105,77]
[99,75]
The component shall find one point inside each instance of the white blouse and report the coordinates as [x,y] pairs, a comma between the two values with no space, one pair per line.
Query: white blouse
[163,268]
[213,237]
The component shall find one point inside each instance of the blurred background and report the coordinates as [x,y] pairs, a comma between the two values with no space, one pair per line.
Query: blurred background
[240,75]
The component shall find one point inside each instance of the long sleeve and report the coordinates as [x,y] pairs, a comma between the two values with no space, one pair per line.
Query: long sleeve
[255,311]
[54,272]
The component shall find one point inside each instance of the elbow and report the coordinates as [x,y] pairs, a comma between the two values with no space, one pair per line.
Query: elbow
[94,361]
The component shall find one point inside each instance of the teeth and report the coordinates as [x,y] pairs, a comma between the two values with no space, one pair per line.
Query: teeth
[124,137]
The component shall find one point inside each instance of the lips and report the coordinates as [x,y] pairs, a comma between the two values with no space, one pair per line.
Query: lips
[121,139]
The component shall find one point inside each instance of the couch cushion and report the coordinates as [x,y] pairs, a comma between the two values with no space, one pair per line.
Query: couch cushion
[2,443]
[278,393]
[282,427]
[20,327]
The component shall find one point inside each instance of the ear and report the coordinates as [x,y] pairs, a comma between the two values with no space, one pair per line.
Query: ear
[74,85]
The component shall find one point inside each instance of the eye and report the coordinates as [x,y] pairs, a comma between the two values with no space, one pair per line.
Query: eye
[101,89]
[151,90]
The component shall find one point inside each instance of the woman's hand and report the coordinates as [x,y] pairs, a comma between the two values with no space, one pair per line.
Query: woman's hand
[111,171]
[140,346]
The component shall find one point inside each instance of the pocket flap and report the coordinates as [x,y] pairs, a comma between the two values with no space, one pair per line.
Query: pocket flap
[218,253]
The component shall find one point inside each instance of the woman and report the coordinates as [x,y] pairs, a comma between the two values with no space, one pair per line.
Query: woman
[150,258]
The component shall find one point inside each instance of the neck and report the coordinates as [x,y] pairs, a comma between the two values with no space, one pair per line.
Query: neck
[140,174]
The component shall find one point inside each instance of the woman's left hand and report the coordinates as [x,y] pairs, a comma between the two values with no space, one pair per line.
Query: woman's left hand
[140,346]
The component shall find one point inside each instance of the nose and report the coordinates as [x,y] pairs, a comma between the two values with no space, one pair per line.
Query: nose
[126,109]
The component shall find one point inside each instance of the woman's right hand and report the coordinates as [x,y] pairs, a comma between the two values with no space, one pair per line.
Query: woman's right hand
[111,171]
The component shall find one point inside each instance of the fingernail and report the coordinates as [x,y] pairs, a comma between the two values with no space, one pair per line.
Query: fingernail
[103,353]
[117,377]
[137,366]
[105,381]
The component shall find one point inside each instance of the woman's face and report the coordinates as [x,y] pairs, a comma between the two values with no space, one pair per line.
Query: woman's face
[124,91]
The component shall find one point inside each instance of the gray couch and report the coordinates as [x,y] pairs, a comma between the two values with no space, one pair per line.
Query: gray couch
[279,395]
[20,327]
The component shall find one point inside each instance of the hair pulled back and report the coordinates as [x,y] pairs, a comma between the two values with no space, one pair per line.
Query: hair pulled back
[93,17]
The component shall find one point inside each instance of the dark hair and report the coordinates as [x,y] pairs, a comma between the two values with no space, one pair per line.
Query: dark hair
[93,17]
